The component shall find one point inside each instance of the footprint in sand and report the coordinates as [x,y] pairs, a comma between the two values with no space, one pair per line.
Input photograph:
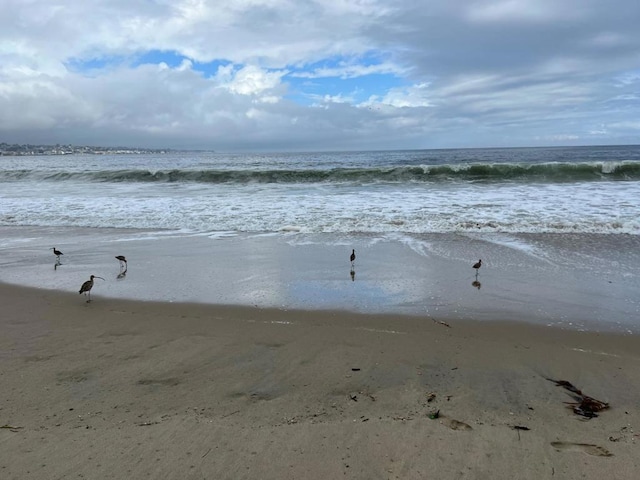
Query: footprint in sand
[582,447]
[455,424]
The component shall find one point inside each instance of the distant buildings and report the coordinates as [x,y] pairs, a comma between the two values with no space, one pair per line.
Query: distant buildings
[16,149]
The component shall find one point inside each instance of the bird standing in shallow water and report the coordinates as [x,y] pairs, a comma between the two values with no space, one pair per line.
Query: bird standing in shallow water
[87,286]
[353,256]
[477,265]
[123,266]
[57,253]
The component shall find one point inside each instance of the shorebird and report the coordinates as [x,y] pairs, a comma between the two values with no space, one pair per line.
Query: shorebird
[353,256]
[123,266]
[477,265]
[57,253]
[87,286]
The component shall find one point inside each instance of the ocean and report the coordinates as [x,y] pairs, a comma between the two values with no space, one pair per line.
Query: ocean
[558,230]
[535,190]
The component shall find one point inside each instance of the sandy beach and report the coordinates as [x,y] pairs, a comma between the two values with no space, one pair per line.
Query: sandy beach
[131,389]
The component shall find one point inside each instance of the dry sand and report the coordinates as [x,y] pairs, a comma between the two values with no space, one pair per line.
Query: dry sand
[126,389]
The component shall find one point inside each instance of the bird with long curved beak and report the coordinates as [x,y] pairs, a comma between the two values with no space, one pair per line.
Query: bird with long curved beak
[87,286]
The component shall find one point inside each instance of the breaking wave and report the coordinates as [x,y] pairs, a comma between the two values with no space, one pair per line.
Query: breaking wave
[552,172]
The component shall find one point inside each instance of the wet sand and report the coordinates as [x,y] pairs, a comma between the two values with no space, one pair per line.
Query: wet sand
[130,389]
[571,281]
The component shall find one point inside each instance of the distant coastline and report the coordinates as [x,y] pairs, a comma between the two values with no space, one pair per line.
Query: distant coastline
[7,149]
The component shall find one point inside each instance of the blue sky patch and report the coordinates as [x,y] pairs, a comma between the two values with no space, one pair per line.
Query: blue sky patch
[355,78]
[358,89]
[85,66]
[174,60]
[337,77]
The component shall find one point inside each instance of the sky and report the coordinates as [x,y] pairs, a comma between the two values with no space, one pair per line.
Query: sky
[312,75]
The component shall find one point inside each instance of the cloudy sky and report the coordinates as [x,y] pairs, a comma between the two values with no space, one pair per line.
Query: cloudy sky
[241,75]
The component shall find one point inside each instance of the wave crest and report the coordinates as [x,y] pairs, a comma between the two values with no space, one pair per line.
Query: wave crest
[481,172]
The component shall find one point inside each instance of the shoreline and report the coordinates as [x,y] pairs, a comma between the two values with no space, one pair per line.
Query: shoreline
[574,281]
[124,388]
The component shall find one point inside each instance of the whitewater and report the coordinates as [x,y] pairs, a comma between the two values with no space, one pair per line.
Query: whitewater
[557,229]
[530,190]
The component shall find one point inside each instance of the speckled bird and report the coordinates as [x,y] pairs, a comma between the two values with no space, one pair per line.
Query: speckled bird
[87,286]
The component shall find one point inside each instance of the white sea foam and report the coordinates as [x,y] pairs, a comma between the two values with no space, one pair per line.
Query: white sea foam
[418,245]
[504,209]
[344,207]
[519,244]
[12,242]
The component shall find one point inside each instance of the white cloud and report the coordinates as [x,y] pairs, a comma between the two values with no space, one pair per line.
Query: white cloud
[467,73]
[413,96]
[252,80]
[628,78]
[351,70]
[528,11]
[627,125]
[322,101]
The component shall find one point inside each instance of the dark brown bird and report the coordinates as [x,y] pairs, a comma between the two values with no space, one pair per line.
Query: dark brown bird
[353,256]
[121,258]
[477,265]
[57,253]
[87,286]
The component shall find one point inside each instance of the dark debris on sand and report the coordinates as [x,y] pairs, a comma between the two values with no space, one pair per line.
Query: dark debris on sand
[584,405]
